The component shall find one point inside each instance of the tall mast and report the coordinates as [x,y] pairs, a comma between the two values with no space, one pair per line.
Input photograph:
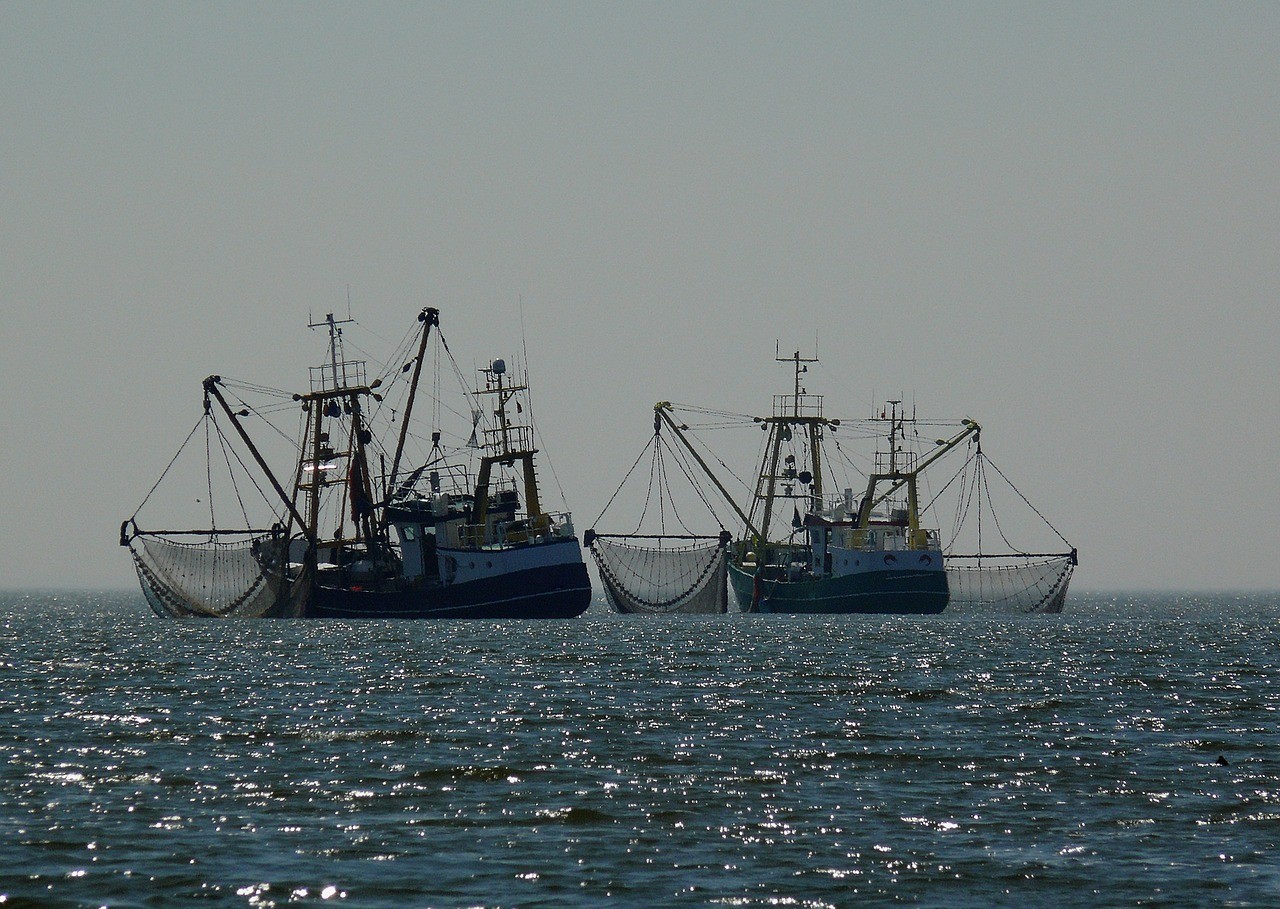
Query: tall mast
[317,469]
[326,403]
[335,344]
[799,410]
[428,317]
[337,388]
[893,436]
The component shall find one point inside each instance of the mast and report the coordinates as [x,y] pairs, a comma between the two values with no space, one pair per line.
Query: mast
[899,478]
[337,388]
[335,344]
[358,478]
[802,411]
[317,469]
[428,317]
[768,477]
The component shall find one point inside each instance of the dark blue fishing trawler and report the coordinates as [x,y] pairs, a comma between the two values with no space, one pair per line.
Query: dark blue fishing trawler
[462,534]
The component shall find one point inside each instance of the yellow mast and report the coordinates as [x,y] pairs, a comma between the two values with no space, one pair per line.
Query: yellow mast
[908,478]
[789,411]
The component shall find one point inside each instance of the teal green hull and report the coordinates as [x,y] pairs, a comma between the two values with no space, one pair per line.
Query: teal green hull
[897,592]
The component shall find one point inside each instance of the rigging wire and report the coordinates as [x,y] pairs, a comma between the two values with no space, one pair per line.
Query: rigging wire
[686,469]
[257,412]
[986,487]
[227,446]
[208,472]
[226,458]
[267,390]
[691,433]
[165,472]
[942,491]
[1024,499]
[661,470]
[634,464]
[693,408]
[648,495]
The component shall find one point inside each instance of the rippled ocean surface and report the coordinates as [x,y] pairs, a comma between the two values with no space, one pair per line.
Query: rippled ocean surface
[1125,753]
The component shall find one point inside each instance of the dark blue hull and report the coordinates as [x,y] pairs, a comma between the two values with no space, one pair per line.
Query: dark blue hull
[893,592]
[548,592]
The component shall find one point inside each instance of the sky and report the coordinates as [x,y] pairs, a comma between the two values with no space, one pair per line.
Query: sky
[1061,220]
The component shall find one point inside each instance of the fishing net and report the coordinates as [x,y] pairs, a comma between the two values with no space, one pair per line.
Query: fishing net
[666,579]
[213,577]
[1008,584]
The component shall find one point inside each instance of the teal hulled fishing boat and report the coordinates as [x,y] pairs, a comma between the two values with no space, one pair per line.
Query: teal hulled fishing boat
[836,555]
[802,549]
[798,550]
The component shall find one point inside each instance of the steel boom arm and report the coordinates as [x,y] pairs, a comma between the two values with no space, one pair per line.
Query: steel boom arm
[662,409]
[429,316]
[211,387]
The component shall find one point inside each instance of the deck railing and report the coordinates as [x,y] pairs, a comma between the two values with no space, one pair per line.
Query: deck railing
[520,530]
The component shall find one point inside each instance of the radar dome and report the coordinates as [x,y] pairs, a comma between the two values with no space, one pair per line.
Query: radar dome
[499,367]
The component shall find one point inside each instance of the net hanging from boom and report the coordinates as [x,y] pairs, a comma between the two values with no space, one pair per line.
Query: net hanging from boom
[215,572]
[663,578]
[213,577]
[1019,585]
[661,573]
[1012,581]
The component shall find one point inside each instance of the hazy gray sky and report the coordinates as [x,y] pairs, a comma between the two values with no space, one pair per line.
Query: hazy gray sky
[1060,219]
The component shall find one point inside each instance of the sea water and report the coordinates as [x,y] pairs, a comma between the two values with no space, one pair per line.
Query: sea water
[1126,752]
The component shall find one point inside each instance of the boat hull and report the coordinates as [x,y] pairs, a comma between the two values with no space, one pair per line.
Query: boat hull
[545,592]
[894,592]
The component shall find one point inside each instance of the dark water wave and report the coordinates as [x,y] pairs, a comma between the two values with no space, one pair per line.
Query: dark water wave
[699,761]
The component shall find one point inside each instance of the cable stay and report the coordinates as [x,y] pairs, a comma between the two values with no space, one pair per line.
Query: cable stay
[661,566]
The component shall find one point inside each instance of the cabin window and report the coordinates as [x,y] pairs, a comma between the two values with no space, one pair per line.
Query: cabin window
[409,533]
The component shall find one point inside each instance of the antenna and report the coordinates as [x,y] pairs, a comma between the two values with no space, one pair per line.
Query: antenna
[792,357]
[335,343]
[801,366]
[524,349]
